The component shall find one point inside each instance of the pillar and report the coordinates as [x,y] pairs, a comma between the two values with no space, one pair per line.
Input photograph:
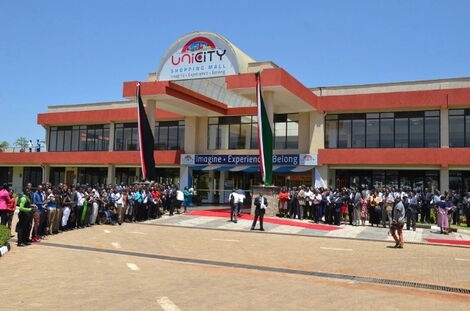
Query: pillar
[210,196]
[190,135]
[112,127]
[17,178]
[111,178]
[304,132]
[185,176]
[444,127]
[46,147]
[221,187]
[46,169]
[444,179]
[317,131]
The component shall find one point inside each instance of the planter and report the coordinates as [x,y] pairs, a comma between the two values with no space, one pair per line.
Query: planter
[5,249]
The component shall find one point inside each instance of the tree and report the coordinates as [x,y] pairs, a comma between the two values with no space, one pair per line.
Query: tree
[4,145]
[21,143]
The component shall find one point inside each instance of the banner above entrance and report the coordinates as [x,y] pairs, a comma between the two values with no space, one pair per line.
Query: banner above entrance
[201,55]
[247,159]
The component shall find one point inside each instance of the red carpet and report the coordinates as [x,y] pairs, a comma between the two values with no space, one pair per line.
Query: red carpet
[224,213]
[448,241]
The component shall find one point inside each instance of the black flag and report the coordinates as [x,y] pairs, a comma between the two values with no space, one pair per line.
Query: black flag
[146,143]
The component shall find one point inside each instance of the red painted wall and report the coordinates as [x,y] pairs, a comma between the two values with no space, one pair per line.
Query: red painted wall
[87,158]
[99,116]
[403,156]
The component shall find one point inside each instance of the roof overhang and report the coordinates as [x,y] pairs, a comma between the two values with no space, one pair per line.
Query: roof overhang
[175,98]
[288,93]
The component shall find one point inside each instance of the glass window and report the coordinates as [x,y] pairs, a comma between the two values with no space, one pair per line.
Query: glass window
[126,137]
[75,138]
[223,134]
[286,131]
[358,134]
[344,134]
[60,140]
[280,135]
[53,139]
[331,134]
[384,130]
[254,136]
[212,136]
[431,132]
[456,131]
[245,135]
[387,133]
[416,132]
[83,136]
[372,133]
[292,137]
[401,133]
[235,132]
[169,135]
[234,136]
[67,139]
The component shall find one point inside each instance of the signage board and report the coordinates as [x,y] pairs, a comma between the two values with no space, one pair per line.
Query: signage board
[199,55]
[247,159]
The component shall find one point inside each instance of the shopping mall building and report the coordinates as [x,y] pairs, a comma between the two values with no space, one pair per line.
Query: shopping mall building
[201,101]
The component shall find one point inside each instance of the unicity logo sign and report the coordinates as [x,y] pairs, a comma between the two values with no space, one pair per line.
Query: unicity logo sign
[199,50]
[199,57]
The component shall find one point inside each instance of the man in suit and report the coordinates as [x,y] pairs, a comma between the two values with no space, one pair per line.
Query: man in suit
[260,208]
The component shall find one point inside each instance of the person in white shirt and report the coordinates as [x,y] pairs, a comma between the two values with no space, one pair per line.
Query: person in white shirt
[241,199]
[233,199]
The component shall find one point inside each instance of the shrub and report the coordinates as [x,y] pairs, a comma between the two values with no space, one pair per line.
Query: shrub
[4,235]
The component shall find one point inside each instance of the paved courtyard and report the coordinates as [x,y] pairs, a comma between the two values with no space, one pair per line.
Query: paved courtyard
[199,263]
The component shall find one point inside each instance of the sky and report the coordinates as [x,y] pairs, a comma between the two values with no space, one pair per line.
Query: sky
[56,52]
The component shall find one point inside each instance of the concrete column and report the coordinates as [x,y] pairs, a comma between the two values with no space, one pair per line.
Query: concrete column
[111,178]
[190,134]
[17,178]
[444,127]
[46,128]
[221,186]
[184,176]
[304,132]
[150,107]
[317,131]
[46,169]
[210,196]
[444,179]
[112,127]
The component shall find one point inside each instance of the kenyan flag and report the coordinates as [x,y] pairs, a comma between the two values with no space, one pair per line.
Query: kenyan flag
[265,137]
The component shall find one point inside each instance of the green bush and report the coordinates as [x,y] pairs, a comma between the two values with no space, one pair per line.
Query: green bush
[4,235]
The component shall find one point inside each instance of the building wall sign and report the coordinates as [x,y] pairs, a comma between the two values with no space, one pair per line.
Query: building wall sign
[247,159]
[198,56]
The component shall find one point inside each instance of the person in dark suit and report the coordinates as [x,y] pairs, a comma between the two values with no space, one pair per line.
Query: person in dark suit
[260,208]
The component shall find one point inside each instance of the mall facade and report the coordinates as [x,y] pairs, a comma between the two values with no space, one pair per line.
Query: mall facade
[202,102]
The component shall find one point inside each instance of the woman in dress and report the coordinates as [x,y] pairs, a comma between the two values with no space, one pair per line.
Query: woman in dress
[364,207]
[443,208]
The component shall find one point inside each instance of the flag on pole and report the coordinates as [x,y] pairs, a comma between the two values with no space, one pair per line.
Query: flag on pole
[146,141]
[265,137]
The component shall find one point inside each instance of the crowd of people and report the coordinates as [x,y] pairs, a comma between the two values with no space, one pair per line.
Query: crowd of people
[349,205]
[49,210]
